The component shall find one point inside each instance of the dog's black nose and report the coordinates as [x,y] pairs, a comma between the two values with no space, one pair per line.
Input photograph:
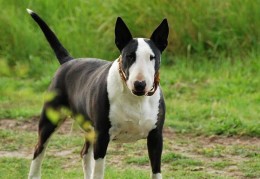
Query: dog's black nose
[139,86]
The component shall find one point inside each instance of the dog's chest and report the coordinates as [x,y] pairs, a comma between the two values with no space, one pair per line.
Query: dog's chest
[131,119]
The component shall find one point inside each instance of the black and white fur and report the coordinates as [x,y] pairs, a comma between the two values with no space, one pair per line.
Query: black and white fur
[119,111]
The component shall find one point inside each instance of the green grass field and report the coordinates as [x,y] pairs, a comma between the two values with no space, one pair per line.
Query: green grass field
[206,97]
[209,75]
[204,28]
[184,156]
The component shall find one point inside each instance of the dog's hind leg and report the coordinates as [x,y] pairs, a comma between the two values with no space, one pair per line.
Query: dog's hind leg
[88,160]
[46,128]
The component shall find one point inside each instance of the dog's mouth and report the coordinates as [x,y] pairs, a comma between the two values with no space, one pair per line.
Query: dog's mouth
[138,93]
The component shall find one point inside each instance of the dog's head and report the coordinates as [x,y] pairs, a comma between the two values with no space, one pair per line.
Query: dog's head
[141,57]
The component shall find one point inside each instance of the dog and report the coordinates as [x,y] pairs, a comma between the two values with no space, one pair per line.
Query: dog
[122,100]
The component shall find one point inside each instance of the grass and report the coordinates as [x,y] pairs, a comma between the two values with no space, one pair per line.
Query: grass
[221,164]
[206,28]
[19,169]
[203,98]
[206,97]
[180,159]
[210,77]
[208,90]
[16,166]
[251,167]
[214,97]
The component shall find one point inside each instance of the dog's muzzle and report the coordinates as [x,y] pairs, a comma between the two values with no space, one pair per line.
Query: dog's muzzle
[139,85]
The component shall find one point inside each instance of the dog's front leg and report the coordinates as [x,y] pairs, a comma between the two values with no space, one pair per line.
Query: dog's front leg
[154,144]
[100,149]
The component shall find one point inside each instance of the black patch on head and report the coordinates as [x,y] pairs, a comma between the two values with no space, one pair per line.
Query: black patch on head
[129,56]
[157,53]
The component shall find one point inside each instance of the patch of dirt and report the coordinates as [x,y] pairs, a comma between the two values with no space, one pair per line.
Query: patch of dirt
[32,125]
[202,148]
[21,125]
[208,150]
[16,154]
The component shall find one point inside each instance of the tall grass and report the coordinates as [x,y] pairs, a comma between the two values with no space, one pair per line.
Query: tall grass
[208,96]
[86,27]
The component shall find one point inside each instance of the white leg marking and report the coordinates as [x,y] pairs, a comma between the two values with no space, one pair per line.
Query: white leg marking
[157,176]
[99,168]
[35,168]
[88,163]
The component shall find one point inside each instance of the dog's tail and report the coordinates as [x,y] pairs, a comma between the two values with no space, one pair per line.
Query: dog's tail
[61,53]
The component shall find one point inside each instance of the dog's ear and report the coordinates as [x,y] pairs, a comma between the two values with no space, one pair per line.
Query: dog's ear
[160,35]
[122,34]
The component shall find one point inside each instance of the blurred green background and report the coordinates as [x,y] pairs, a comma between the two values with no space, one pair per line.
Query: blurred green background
[210,70]
[209,28]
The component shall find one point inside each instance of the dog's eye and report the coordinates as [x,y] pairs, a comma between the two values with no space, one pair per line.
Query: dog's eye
[152,57]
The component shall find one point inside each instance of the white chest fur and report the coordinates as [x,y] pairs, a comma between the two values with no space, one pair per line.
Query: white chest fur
[131,117]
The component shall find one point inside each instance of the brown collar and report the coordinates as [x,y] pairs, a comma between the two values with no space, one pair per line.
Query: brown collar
[123,77]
